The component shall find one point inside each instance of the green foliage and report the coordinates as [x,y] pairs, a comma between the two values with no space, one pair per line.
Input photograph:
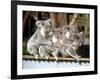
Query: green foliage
[25,52]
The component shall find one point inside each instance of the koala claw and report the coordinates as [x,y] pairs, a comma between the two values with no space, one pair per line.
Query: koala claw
[56,58]
[47,57]
[78,58]
[36,56]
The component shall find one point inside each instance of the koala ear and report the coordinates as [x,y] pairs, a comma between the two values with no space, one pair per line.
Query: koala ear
[38,23]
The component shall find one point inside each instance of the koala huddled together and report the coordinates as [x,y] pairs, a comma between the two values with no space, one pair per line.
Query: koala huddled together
[48,40]
[66,42]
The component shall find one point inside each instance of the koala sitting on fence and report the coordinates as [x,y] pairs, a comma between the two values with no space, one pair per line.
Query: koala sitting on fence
[71,41]
[36,44]
[56,34]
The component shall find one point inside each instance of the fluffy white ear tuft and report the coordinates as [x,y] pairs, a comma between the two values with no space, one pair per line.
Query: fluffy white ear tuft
[38,23]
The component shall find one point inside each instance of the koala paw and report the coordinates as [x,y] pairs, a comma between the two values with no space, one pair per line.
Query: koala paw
[36,56]
[47,57]
[56,58]
[78,59]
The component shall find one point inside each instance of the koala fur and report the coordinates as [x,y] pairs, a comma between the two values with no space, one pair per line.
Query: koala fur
[71,45]
[47,40]
[40,37]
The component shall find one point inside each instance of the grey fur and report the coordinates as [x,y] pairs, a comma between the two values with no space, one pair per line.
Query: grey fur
[38,38]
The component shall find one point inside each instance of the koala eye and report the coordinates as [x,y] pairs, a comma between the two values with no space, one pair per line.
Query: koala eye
[42,23]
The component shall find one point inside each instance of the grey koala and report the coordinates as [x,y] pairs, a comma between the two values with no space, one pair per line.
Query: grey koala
[71,41]
[51,49]
[39,39]
[56,35]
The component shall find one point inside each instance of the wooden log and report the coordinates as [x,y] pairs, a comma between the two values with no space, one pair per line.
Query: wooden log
[30,57]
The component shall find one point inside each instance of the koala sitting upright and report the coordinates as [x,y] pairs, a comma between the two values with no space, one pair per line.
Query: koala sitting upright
[39,38]
[71,41]
[56,34]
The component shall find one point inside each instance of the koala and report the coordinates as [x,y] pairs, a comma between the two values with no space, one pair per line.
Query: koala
[50,48]
[40,37]
[56,34]
[67,42]
[72,45]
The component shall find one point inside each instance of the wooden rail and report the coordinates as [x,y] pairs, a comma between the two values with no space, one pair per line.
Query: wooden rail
[30,57]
